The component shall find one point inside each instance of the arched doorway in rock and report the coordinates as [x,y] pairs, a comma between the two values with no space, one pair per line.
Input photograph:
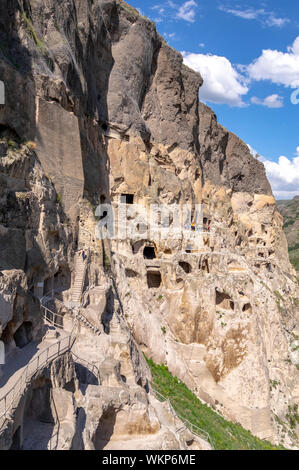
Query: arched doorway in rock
[149,252]
[105,429]
[23,335]
[40,416]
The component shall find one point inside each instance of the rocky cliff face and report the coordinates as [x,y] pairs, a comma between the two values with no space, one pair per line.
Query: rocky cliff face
[290,213]
[98,106]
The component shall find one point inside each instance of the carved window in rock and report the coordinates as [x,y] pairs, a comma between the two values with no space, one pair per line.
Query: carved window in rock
[149,252]
[127,198]
[247,308]
[224,301]
[185,266]
[153,279]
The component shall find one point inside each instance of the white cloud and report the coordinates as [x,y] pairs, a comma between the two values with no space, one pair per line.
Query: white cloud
[253,151]
[274,21]
[267,18]
[282,175]
[169,9]
[187,11]
[248,14]
[271,101]
[169,35]
[281,68]
[297,151]
[223,84]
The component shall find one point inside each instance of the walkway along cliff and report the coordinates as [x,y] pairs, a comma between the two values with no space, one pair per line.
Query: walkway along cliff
[99,109]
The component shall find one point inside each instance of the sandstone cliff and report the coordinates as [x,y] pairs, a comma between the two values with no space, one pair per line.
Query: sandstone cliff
[99,106]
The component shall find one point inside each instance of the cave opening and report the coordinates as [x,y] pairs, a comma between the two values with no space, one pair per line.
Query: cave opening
[224,301]
[153,279]
[247,308]
[149,252]
[130,273]
[136,247]
[62,279]
[40,417]
[23,335]
[141,227]
[185,266]
[127,198]
[104,430]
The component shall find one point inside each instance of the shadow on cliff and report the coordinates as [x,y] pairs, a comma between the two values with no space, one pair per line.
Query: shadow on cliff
[19,218]
[23,59]
[17,118]
[94,58]
[18,112]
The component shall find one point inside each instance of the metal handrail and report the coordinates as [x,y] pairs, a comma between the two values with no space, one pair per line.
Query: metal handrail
[49,316]
[77,314]
[7,401]
[196,430]
[91,367]
[82,318]
[33,366]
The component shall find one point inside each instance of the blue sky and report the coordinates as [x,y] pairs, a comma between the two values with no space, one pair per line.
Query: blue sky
[248,54]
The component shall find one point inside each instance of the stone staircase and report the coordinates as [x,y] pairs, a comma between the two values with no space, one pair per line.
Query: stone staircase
[80,270]
[86,322]
[77,289]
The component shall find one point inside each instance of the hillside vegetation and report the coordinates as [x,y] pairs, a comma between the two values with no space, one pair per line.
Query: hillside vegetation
[224,434]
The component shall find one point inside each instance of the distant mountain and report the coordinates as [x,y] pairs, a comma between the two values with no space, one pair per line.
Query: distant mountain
[290,212]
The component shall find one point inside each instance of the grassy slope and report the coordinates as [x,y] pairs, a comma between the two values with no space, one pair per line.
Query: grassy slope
[224,434]
[290,211]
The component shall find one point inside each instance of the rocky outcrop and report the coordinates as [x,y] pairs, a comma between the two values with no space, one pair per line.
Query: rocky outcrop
[99,107]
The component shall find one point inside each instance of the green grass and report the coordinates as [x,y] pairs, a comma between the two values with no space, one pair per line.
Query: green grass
[294,256]
[38,42]
[224,434]
[129,8]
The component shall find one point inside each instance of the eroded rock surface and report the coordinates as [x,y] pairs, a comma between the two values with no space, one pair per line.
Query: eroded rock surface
[99,106]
